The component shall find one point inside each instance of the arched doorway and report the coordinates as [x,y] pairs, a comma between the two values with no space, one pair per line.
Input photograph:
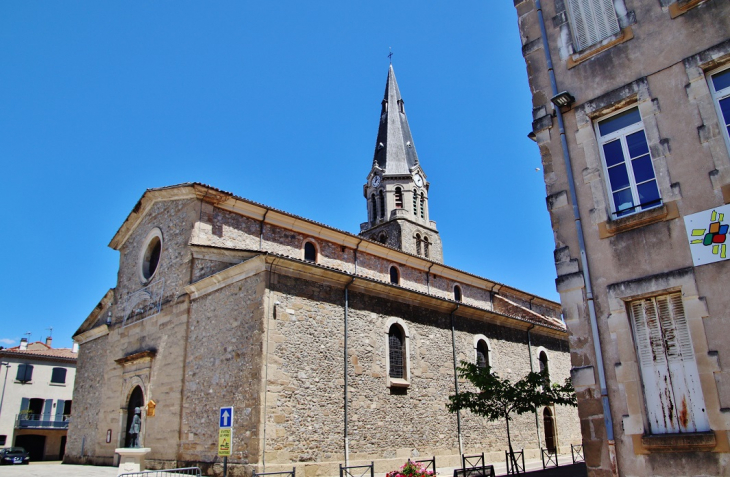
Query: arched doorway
[549,427]
[136,399]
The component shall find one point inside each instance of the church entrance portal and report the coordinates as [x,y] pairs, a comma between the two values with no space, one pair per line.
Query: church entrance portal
[135,400]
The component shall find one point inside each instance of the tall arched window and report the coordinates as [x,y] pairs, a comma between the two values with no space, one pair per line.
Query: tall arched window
[310,252]
[415,203]
[544,365]
[423,199]
[457,293]
[394,275]
[425,247]
[398,198]
[396,352]
[382,204]
[373,208]
[482,354]
[418,244]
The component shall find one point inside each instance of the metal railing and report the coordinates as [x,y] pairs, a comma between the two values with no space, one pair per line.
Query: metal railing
[576,451]
[41,421]
[286,473]
[359,470]
[478,471]
[429,464]
[471,461]
[514,466]
[182,472]
[549,458]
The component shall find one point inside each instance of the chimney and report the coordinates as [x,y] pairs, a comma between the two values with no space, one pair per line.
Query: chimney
[75,348]
[48,342]
[23,343]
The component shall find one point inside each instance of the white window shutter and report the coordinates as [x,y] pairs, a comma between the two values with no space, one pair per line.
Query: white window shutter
[592,21]
[672,390]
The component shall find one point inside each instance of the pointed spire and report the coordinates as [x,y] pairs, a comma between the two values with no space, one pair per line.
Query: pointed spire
[395,152]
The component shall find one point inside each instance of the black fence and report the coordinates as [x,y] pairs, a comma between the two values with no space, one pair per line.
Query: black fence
[516,464]
[576,451]
[286,473]
[428,464]
[357,470]
[471,461]
[478,471]
[549,458]
[183,472]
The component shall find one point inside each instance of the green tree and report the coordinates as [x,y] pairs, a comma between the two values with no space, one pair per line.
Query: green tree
[499,398]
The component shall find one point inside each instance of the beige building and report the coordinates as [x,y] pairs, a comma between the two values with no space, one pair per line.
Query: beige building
[35,400]
[631,105]
[331,347]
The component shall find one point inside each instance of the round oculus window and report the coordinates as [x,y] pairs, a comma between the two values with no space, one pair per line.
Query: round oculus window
[151,255]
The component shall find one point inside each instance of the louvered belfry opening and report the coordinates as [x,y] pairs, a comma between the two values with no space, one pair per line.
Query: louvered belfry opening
[672,389]
[398,198]
[396,351]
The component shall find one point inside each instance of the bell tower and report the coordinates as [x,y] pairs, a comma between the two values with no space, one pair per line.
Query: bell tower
[396,191]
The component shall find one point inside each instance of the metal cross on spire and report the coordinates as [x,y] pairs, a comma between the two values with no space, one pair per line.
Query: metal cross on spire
[390,55]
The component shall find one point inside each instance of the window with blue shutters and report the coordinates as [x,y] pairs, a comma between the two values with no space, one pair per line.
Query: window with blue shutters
[25,373]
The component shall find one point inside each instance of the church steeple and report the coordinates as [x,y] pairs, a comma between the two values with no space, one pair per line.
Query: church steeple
[397,190]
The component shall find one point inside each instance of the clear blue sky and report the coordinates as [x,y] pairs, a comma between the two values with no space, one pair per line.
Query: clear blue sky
[275,101]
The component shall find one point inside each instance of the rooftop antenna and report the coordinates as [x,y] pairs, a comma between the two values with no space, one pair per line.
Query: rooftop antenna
[390,55]
[50,332]
[29,334]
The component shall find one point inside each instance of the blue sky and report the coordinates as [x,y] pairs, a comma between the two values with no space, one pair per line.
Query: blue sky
[275,101]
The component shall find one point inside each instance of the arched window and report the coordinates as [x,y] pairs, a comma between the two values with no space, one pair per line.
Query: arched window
[482,354]
[396,352]
[394,275]
[373,208]
[398,198]
[382,204]
[415,203]
[418,244]
[423,199]
[543,359]
[310,252]
[425,247]
[457,293]
[383,238]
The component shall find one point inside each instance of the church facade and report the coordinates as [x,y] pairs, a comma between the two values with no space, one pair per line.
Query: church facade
[331,347]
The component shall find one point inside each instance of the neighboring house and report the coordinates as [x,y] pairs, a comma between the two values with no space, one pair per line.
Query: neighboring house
[631,106]
[331,347]
[35,404]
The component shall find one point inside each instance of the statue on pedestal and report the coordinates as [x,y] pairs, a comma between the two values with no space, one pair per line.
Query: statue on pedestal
[135,428]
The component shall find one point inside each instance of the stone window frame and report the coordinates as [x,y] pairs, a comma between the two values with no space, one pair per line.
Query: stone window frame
[680,7]
[566,45]
[716,96]
[404,382]
[460,296]
[630,401]
[621,135]
[317,251]
[490,353]
[698,67]
[594,177]
[390,274]
[142,262]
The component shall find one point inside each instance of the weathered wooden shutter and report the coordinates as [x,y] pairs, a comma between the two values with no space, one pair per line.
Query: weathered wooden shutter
[592,21]
[674,399]
[47,408]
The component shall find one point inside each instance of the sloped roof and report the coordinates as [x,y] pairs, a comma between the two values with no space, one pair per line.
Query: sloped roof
[40,350]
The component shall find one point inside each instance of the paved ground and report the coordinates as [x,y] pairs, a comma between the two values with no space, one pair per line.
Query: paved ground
[56,469]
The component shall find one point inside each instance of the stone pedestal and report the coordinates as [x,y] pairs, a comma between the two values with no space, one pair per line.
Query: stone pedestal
[131,459]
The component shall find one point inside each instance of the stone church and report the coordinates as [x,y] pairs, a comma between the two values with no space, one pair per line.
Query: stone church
[331,347]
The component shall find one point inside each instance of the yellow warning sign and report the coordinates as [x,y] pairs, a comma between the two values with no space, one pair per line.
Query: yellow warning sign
[225,438]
